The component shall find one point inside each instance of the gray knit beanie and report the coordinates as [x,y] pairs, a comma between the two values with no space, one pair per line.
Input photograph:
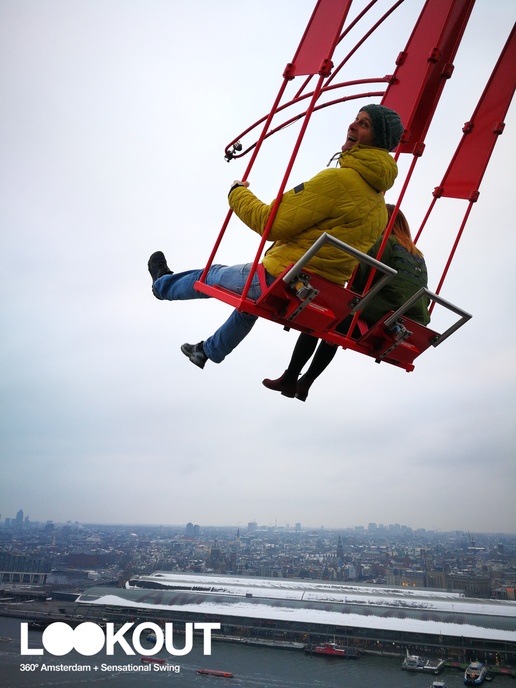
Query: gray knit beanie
[387,126]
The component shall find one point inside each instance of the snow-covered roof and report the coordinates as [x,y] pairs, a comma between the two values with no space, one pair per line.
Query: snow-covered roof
[340,593]
[413,611]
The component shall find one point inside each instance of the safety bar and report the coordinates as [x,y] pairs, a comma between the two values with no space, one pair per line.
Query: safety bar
[388,272]
[438,299]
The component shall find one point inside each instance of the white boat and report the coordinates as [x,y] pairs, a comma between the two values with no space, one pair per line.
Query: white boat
[475,674]
[438,684]
[417,663]
[413,663]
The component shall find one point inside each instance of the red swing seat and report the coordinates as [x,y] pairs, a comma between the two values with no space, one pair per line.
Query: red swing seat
[389,345]
[312,304]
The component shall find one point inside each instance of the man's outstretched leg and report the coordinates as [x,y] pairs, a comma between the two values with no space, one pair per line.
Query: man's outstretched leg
[170,286]
[228,336]
[222,342]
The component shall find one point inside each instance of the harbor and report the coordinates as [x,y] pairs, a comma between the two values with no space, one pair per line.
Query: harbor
[252,667]
[40,614]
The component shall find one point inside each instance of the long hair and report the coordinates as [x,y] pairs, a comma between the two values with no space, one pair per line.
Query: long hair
[401,231]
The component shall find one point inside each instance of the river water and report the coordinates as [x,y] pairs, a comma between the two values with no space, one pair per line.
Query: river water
[253,667]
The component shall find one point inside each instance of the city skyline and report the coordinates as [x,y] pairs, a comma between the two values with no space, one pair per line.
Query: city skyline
[478,564]
[250,526]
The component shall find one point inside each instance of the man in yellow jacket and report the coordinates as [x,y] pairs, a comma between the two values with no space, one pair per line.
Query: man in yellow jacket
[347,202]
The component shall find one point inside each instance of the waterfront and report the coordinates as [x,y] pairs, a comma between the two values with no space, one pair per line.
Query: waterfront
[253,667]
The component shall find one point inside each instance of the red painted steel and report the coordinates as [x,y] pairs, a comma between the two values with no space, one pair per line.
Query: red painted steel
[424,66]
[323,31]
[467,168]
[464,175]
[414,91]
[315,50]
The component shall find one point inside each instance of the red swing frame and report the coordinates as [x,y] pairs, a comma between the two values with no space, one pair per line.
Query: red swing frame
[306,302]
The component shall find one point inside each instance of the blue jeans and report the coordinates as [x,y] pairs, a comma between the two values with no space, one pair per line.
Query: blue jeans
[180,286]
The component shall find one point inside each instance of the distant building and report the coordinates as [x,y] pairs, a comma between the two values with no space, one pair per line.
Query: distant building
[340,550]
[436,578]
[192,531]
[20,568]
[472,584]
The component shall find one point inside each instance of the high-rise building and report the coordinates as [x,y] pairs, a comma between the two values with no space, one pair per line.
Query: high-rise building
[340,550]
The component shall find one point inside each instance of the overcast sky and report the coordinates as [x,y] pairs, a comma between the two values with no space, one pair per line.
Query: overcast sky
[114,119]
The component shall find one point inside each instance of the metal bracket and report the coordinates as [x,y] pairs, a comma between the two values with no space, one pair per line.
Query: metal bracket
[400,333]
[300,284]
[464,316]
[236,148]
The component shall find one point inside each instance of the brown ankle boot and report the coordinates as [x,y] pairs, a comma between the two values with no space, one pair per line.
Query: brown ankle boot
[302,387]
[286,384]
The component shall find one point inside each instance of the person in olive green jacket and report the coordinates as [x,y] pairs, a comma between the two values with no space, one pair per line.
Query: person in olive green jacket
[347,202]
[399,253]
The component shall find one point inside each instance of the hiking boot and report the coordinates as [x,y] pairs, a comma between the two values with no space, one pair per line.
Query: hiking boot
[158,266]
[195,353]
[285,384]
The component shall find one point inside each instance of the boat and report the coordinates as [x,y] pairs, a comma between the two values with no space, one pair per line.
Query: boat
[417,663]
[475,674]
[266,642]
[152,660]
[215,672]
[438,684]
[334,650]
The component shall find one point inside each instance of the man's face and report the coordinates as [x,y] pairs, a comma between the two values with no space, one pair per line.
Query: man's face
[359,131]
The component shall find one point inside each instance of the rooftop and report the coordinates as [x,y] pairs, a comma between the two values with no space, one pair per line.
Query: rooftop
[333,604]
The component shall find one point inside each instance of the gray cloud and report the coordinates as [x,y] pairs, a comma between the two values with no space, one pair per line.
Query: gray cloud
[114,117]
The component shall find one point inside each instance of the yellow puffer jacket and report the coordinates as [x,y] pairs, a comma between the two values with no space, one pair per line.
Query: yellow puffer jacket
[346,202]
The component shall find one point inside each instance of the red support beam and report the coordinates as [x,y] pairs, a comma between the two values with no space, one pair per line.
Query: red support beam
[315,50]
[424,66]
[468,165]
